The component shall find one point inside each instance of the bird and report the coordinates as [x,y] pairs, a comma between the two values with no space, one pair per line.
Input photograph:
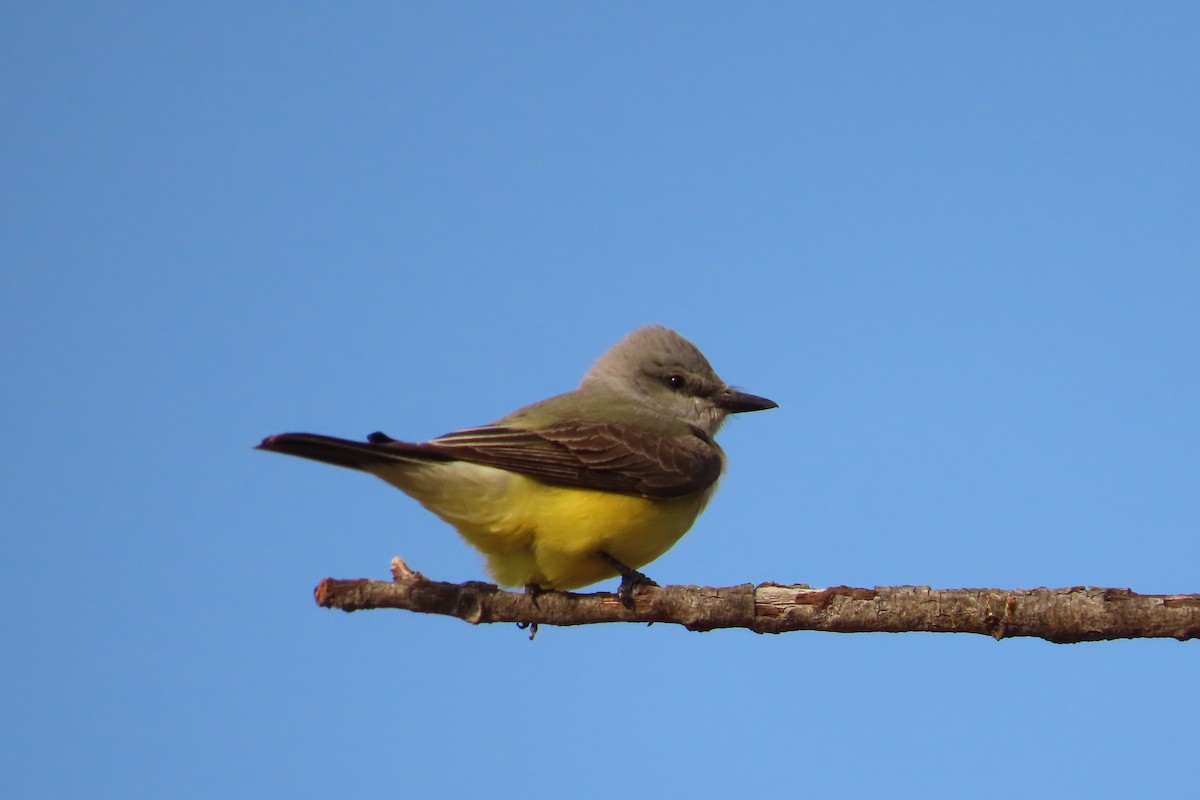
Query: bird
[579,488]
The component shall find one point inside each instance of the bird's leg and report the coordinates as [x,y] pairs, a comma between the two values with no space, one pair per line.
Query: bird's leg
[631,579]
[532,590]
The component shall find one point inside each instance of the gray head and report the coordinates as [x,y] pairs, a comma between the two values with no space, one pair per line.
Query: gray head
[666,373]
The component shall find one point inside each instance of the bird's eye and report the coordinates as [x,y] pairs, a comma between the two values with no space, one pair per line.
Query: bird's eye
[676,382]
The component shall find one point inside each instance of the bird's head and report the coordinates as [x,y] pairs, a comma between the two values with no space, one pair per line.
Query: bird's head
[666,374]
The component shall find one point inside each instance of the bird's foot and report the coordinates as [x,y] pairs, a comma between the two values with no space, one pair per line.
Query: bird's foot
[630,583]
[631,580]
[533,591]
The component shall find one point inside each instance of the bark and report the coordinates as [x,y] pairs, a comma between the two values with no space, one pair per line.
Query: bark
[1074,614]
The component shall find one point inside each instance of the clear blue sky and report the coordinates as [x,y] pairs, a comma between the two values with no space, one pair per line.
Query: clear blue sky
[957,243]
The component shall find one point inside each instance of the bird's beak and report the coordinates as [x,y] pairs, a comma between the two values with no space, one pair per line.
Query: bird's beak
[735,402]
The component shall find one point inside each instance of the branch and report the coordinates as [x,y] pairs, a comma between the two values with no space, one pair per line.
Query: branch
[1075,614]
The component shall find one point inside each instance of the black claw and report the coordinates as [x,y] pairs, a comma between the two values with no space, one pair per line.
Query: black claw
[631,580]
[630,583]
[534,592]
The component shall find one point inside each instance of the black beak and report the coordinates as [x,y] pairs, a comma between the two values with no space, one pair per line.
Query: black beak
[736,402]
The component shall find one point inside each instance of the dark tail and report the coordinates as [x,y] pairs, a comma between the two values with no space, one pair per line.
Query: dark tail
[378,449]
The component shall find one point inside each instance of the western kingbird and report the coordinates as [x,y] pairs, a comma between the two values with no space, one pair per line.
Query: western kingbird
[578,488]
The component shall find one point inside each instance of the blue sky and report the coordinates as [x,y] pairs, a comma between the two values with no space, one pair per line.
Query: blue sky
[956,242]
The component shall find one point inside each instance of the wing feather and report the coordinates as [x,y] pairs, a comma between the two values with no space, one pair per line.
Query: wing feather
[587,455]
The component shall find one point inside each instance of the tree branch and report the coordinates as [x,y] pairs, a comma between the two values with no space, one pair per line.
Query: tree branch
[1075,614]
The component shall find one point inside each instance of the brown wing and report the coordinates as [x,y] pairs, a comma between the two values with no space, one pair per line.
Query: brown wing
[587,455]
[584,455]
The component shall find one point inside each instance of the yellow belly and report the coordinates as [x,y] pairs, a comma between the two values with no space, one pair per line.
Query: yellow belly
[549,536]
